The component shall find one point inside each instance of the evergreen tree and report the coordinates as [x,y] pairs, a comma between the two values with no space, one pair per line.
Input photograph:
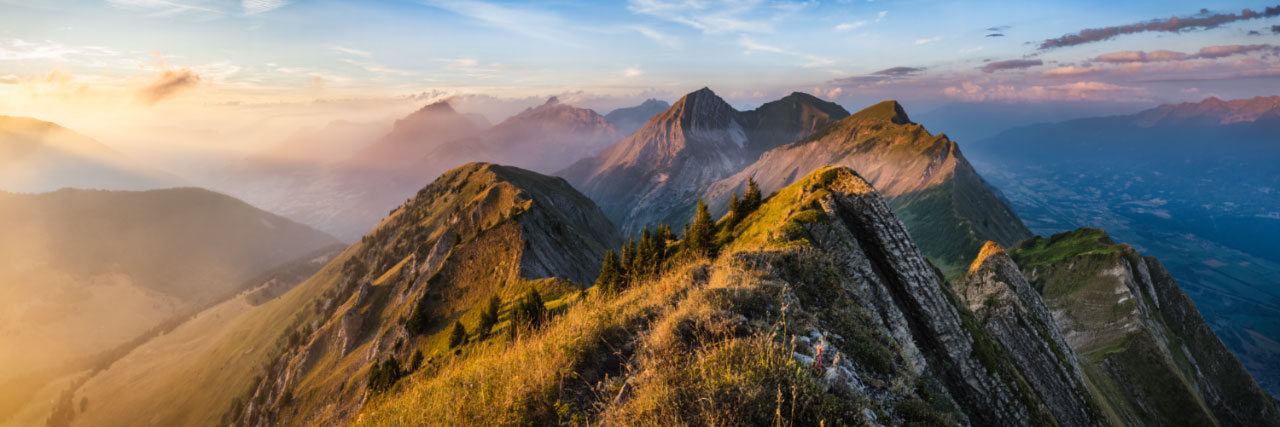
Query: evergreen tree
[628,256]
[610,272]
[489,317]
[751,199]
[528,314]
[735,209]
[698,240]
[458,336]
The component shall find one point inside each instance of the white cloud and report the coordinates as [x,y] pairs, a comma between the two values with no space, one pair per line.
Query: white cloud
[928,40]
[880,16]
[752,46]
[657,36]
[718,16]
[849,26]
[531,23]
[632,72]
[351,51]
[254,7]
[166,8]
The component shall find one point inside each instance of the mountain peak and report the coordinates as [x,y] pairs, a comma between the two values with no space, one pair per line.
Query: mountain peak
[553,100]
[441,106]
[889,110]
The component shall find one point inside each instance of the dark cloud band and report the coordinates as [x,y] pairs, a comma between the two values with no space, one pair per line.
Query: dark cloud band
[1202,20]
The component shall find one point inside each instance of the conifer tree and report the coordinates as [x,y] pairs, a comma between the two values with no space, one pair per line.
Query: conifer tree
[751,199]
[698,240]
[735,209]
[458,335]
[490,316]
[610,273]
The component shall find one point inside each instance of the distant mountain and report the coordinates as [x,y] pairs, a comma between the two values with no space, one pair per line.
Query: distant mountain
[1193,184]
[697,141]
[480,230]
[38,156]
[412,137]
[948,208]
[630,119]
[544,139]
[85,271]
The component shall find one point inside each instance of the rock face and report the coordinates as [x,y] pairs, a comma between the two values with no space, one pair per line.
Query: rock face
[478,231]
[1150,357]
[1015,316]
[699,140]
[949,209]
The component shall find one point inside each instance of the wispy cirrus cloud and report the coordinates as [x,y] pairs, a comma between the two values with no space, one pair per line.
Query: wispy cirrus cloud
[719,16]
[254,7]
[753,46]
[657,36]
[877,77]
[1202,20]
[534,23]
[1013,64]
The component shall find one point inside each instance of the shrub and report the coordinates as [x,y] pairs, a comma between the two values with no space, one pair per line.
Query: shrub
[458,336]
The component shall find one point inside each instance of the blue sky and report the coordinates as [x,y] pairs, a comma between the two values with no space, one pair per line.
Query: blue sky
[172,54]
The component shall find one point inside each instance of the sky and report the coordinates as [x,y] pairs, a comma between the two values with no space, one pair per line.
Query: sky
[126,68]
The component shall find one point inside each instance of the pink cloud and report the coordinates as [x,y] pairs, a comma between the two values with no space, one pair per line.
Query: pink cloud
[1078,91]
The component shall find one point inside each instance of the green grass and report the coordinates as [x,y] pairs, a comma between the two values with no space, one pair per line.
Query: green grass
[1039,251]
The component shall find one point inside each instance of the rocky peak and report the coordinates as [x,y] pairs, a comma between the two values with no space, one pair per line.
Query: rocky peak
[702,110]
[553,100]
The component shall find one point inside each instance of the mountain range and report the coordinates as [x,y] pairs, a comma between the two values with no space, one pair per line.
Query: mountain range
[868,276]
[1192,184]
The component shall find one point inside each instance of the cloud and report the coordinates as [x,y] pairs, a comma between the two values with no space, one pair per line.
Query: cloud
[1013,64]
[657,36]
[168,83]
[167,8]
[995,35]
[1202,20]
[718,16]
[1275,29]
[899,71]
[878,76]
[928,40]
[880,16]
[1071,71]
[8,79]
[632,72]
[829,94]
[531,23]
[849,26]
[1210,52]
[254,7]
[1079,91]
[351,51]
[752,46]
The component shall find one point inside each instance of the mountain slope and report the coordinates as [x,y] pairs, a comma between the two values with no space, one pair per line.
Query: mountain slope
[1192,184]
[630,119]
[84,271]
[697,141]
[819,310]
[1140,340]
[479,230]
[38,156]
[411,138]
[949,209]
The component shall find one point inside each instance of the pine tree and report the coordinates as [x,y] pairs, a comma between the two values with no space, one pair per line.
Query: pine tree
[609,272]
[751,199]
[628,256]
[458,336]
[735,209]
[698,240]
[490,316]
